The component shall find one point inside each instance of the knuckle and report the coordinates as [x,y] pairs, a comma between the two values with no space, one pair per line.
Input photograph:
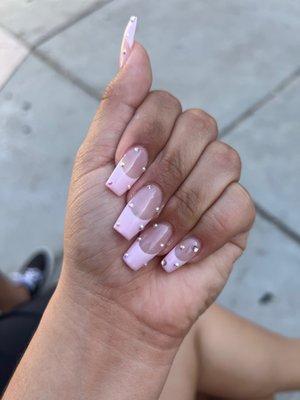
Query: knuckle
[166,99]
[111,91]
[247,205]
[238,215]
[202,117]
[227,156]
[206,123]
[151,129]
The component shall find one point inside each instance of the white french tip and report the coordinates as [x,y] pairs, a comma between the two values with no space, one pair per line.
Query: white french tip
[136,258]
[128,224]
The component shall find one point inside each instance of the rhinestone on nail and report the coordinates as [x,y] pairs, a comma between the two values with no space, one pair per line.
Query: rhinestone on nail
[182,247]
[136,149]
[162,245]
[132,19]
[163,262]
[131,205]
[195,249]
[139,239]
[144,169]
[126,255]
[128,187]
[149,187]
[122,164]
[142,227]
[157,209]
[177,264]
[155,225]
[110,182]
[117,224]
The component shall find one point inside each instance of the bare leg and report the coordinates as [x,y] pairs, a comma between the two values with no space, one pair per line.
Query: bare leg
[11,295]
[235,359]
[249,361]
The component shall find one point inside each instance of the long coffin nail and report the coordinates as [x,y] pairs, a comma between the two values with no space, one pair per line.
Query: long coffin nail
[139,211]
[181,254]
[128,40]
[129,169]
[148,245]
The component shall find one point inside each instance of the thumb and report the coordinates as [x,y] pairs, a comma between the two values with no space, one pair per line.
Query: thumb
[119,102]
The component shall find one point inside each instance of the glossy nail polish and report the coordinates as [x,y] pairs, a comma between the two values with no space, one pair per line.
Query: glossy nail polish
[128,170]
[148,245]
[181,254]
[128,40]
[143,207]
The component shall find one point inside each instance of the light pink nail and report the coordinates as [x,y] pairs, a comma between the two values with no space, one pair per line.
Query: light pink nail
[145,205]
[129,169]
[148,245]
[181,254]
[128,40]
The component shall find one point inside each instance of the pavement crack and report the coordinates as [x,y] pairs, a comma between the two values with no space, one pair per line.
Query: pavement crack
[283,84]
[284,228]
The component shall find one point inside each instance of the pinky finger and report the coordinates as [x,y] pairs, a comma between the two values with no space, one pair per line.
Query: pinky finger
[232,214]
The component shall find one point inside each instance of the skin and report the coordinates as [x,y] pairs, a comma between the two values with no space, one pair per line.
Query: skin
[121,329]
[227,356]
[11,295]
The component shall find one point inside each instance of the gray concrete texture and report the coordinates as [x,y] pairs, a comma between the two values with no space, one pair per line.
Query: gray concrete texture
[239,60]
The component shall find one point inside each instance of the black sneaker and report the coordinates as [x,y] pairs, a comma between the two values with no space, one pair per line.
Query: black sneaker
[35,272]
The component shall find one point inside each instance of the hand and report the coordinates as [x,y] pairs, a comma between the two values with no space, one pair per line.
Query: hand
[193,194]
[120,325]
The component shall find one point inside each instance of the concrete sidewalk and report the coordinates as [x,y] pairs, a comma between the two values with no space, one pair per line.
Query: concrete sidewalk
[240,61]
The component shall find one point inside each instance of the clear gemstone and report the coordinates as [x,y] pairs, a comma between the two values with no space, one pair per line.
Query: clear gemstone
[195,249]
[126,255]
[163,262]
[182,247]
[131,205]
[177,264]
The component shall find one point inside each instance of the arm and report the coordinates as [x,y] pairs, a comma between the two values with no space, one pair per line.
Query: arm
[81,353]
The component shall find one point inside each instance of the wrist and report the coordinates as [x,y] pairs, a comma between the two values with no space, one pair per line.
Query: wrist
[119,351]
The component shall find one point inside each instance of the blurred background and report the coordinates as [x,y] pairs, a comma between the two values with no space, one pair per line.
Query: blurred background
[238,60]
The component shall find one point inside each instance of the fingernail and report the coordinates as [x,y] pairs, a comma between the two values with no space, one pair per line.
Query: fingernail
[148,245]
[139,211]
[181,254]
[129,169]
[128,40]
